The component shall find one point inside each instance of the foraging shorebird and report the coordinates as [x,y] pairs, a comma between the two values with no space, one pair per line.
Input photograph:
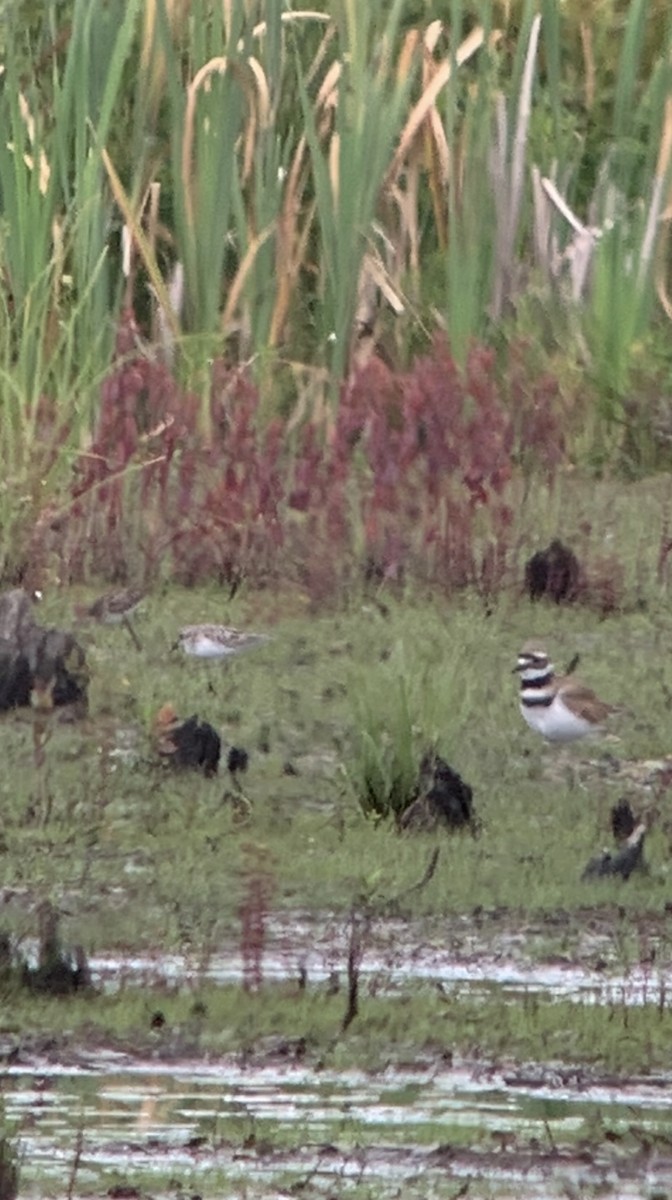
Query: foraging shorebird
[114,608]
[217,641]
[558,707]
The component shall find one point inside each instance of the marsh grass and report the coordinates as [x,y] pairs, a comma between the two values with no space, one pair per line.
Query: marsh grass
[273,180]
[205,1019]
[117,820]
[136,856]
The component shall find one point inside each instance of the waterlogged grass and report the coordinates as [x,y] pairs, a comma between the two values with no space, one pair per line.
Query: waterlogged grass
[142,856]
[304,1026]
[282,1128]
[138,858]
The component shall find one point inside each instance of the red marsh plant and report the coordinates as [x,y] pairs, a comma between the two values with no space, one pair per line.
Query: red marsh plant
[258,880]
[415,469]
[410,478]
[167,477]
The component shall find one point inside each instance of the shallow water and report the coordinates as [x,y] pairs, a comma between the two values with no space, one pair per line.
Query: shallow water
[252,1125]
[219,1127]
[397,954]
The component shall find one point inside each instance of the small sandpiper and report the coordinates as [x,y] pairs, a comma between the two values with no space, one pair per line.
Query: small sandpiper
[217,641]
[114,608]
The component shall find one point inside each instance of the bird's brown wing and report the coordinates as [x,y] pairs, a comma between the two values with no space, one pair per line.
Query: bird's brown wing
[583,701]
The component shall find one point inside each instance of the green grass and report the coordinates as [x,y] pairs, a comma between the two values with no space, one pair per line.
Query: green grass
[417,1024]
[169,848]
[137,857]
[270,160]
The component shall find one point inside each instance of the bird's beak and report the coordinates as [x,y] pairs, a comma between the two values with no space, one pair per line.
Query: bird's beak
[518,667]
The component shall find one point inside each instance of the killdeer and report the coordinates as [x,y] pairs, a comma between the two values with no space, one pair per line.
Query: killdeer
[558,707]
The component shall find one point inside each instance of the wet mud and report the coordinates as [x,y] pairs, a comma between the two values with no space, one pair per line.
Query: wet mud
[274,1125]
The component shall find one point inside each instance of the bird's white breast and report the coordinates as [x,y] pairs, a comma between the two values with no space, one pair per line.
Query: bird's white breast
[555,721]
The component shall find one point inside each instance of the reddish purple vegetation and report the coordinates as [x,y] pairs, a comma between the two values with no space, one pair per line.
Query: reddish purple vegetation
[409,479]
[258,887]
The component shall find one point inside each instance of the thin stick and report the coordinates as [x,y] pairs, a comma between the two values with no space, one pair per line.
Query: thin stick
[420,883]
[127,625]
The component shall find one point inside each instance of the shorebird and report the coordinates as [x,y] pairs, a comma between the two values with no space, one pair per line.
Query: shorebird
[217,641]
[558,707]
[114,608]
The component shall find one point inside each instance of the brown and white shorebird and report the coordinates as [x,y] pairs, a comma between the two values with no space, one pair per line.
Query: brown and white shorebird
[217,641]
[558,707]
[114,608]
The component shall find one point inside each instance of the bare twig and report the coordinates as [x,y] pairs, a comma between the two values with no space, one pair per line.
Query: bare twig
[420,883]
[76,1161]
[359,928]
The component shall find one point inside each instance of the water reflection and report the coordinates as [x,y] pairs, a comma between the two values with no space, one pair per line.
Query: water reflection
[232,1123]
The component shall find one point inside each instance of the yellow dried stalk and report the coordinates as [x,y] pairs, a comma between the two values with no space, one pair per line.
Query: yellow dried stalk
[320,54]
[241,275]
[144,250]
[327,96]
[374,269]
[665,156]
[589,63]
[423,146]
[407,201]
[435,144]
[662,169]
[427,101]
[44,168]
[289,17]
[250,76]
[291,246]
[153,60]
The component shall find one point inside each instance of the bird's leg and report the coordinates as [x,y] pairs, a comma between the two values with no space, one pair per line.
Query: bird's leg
[241,804]
[126,622]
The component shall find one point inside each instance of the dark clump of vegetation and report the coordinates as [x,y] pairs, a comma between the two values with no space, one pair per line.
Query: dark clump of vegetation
[237,760]
[186,744]
[443,798]
[38,665]
[629,834]
[623,820]
[57,972]
[553,573]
